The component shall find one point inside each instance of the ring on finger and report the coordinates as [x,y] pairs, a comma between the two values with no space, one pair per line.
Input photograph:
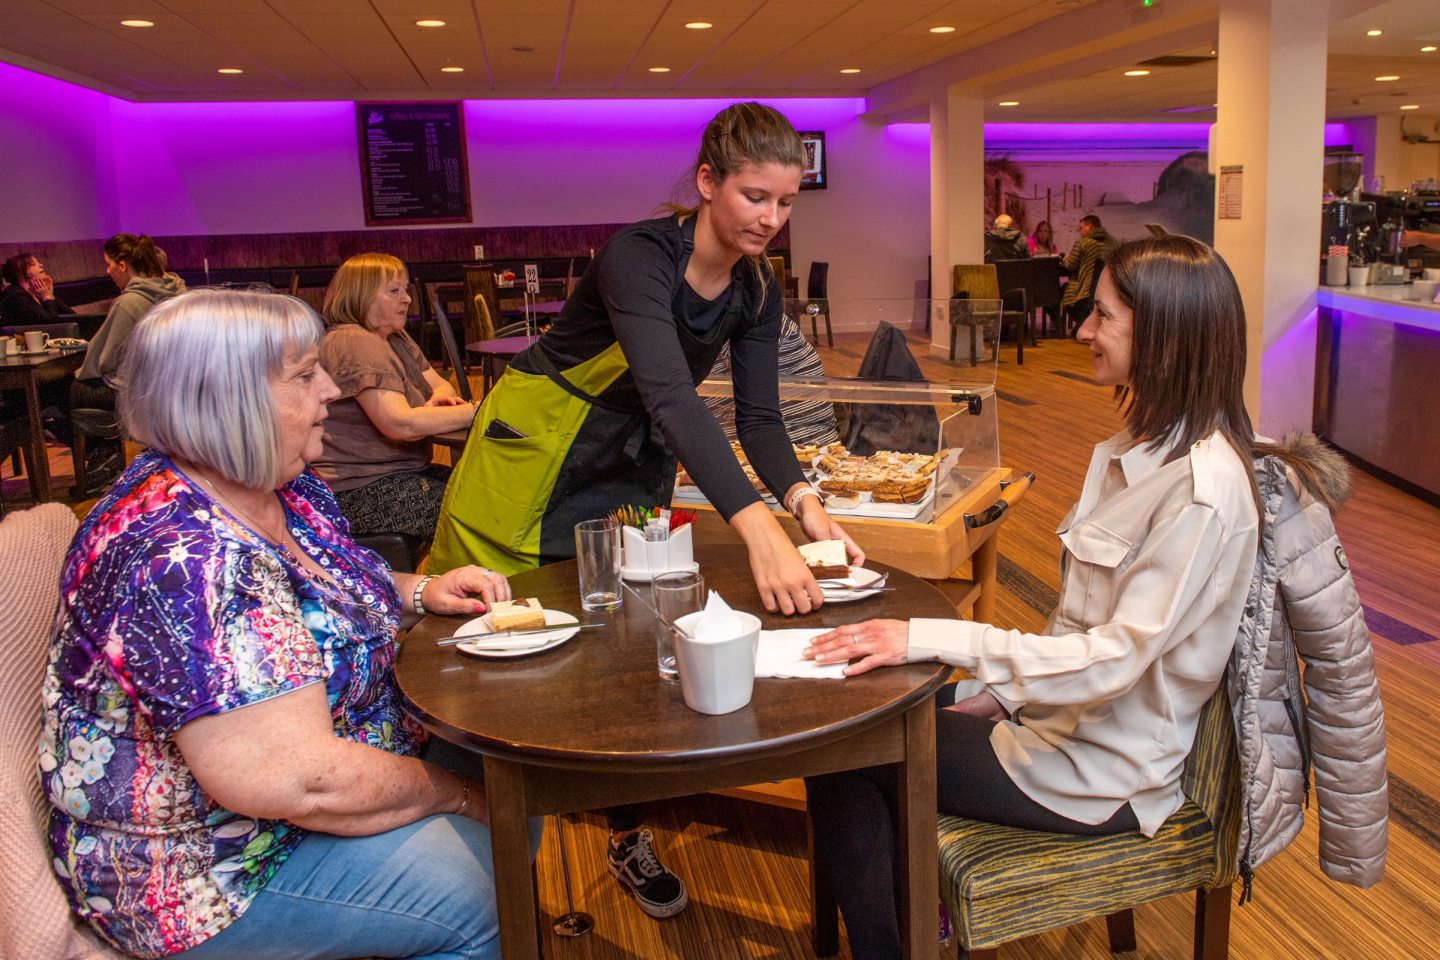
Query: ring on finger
[854,639]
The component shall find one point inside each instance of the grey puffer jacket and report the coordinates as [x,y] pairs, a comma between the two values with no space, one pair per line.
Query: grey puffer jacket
[1326,720]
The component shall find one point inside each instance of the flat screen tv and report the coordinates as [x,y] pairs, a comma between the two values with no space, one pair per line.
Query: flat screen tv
[814,176]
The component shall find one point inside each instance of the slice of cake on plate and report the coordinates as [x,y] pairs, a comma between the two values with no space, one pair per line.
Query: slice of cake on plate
[520,614]
[826,559]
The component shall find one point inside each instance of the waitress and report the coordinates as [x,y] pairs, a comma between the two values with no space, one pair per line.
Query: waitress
[596,413]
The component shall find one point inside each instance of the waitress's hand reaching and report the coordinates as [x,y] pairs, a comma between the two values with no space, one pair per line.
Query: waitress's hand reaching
[781,577]
[819,525]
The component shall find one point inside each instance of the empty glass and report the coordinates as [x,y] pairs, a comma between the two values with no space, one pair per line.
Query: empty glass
[597,550]
[675,594]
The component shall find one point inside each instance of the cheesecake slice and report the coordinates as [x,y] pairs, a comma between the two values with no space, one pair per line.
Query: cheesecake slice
[520,614]
[826,559]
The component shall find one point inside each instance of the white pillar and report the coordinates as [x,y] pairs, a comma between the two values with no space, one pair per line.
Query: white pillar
[1271,125]
[957,192]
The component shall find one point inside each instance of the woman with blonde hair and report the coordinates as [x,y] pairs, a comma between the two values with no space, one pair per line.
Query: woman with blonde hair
[377,450]
[596,413]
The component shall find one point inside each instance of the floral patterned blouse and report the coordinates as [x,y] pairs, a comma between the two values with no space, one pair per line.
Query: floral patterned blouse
[172,609]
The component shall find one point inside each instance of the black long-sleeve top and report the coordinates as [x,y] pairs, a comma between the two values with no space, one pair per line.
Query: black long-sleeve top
[18,308]
[634,294]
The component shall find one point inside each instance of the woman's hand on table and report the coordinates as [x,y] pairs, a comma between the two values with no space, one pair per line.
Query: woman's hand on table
[819,525]
[455,591]
[781,577]
[874,643]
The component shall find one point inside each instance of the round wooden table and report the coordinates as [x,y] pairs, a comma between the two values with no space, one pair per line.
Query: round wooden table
[495,354]
[589,724]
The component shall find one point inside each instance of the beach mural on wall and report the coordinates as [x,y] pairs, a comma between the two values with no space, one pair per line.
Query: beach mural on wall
[1127,196]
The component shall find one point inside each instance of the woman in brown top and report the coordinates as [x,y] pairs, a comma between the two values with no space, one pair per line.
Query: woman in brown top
[377,438]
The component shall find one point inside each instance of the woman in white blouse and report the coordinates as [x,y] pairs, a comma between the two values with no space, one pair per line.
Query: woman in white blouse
[1084,728]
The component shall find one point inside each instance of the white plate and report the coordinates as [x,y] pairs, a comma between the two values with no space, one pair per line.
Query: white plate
[35,353]
[853,588]
[552,638]
[645,576]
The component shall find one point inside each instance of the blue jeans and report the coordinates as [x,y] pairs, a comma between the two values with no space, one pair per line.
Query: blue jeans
[424,890]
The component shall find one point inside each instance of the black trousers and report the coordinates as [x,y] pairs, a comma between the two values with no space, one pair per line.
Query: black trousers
[857,833]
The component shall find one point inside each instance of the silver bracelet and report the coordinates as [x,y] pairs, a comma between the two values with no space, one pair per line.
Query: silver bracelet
[800,494]
[420,610]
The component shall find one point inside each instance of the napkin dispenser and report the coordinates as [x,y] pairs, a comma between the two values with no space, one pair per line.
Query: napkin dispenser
[646,559]
[1389,273]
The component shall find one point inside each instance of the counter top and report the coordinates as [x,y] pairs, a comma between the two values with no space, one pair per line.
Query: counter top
[1384,301]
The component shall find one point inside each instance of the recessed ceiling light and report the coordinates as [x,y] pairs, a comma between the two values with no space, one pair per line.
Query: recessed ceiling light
[522,49]
[849,69]
[452,69]
[1373,33]
[1429,48]
[137,23]
[1410,106]
[1137,73]
[1009,103]
[942,29]
[659,69]
[699,25]
[1387,78]
[429,23]
[229,70]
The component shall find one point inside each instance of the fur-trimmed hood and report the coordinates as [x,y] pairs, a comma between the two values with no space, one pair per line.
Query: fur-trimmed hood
[1327,467]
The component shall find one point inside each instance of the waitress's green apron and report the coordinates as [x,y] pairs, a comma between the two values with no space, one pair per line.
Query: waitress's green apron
[512,502]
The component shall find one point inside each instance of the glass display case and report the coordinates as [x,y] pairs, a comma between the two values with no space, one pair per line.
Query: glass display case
[877,446]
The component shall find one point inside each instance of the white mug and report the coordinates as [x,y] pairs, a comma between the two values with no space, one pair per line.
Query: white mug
[717,676]
[7,345]
[35,340]
[1430,273]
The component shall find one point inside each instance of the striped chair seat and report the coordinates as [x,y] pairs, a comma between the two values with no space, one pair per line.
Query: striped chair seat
[1014,882]
[1003,883]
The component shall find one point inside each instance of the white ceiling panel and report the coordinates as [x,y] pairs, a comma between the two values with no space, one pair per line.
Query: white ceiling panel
[350,48]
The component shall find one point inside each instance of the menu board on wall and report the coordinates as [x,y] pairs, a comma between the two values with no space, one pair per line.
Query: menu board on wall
[412,163]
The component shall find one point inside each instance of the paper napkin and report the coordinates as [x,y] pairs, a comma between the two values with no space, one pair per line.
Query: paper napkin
[779,656]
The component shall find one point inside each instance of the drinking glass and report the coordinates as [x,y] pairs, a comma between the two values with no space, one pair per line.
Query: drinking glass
[597,549]
[675,595]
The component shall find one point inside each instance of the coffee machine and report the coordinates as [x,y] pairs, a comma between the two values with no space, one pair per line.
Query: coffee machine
[1348,229]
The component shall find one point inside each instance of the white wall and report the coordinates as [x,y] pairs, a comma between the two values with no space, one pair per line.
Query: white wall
[55,159]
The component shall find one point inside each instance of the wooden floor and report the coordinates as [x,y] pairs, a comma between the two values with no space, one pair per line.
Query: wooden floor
[744,863]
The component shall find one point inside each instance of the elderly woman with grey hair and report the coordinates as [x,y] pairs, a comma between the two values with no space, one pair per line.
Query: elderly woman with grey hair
[230,770]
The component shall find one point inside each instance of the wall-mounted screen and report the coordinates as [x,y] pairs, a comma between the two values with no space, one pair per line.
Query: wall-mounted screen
[412,163]
[814,176]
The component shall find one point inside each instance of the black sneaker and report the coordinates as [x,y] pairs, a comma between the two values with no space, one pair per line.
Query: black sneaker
[656,890]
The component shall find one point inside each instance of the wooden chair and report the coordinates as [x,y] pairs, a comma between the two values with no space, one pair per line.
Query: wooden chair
[981,282]
[1039,277]
[485,321]
[452,349]
[87,424]
[817,297]
[35,919]
[1004,883]
[15,442]
[777,267]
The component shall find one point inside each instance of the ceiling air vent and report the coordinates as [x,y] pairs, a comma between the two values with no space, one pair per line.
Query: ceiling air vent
[1176,61]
